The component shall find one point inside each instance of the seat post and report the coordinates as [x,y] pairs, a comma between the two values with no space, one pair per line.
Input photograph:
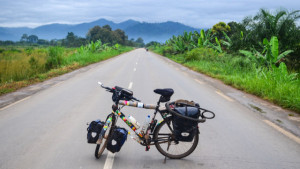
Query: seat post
[158,103]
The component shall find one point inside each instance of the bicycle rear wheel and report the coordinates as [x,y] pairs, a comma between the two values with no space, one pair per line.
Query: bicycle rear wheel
[168,146]
[103,141]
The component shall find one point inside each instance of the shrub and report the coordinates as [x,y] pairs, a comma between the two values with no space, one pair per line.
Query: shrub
[55,57]
[202,53]
[167,50]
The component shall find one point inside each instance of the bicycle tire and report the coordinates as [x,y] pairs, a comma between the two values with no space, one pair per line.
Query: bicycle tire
[176,145]
[101,147]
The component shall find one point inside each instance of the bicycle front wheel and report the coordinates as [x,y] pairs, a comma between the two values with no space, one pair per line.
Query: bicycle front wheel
[167,145]
[101,145]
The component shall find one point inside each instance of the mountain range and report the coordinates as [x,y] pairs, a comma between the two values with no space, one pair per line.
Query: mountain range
[148,31]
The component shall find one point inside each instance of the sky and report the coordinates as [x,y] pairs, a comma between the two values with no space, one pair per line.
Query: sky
[195,13]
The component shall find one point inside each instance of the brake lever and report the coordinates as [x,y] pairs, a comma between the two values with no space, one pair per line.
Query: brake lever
[136,99]
[133,98]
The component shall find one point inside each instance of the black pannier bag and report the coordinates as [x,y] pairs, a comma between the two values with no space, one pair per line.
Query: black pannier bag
[94,130]
[185,129]
[117,139]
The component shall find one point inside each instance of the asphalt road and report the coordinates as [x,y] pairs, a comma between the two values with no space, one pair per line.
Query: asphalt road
[48,129]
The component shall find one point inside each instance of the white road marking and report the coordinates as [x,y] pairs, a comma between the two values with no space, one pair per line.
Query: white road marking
[281,130]
[199,81]
[14,103]
[134,69]
[136,63]
[109,161]
[224,96]
[130,85]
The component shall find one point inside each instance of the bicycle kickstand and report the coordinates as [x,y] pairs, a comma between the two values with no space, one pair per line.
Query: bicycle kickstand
[165,160]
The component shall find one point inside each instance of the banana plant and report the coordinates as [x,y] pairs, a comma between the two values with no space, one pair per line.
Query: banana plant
[271,51]
[116,46]
[204,39]
[218,46]
[270,54]
[98,45]
[228,42]
[92,47]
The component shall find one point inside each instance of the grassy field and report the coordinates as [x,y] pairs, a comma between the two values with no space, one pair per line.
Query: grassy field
[23,66]
[277,85]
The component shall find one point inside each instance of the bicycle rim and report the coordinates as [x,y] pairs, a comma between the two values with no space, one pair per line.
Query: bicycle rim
[167,145]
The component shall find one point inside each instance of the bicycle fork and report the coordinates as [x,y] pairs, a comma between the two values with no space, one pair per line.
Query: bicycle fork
[103,131]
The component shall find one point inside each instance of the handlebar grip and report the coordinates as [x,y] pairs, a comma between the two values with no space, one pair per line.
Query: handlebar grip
[182,116]
[137,104]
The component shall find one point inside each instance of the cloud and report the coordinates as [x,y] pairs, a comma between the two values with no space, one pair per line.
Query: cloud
[196,13]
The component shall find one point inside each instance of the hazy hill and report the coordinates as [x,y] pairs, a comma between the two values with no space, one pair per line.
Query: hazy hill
[134,29]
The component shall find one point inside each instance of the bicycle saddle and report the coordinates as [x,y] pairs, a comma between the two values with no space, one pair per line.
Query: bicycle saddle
[164,92]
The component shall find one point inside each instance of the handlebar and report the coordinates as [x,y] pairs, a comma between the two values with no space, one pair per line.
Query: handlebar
[113,89]
[185,117]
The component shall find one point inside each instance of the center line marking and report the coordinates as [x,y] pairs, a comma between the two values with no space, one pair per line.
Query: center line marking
[130,85]
[281,130]
[224,96]
[109,161]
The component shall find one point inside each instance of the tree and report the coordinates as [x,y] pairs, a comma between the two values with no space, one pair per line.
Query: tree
[43,42]
[119,36]
[33,39]
[106,35]
[71,37]
[24,38]
[281,24]
[107,27]
[140,42]
[219,28]
[152,43]
[238,35]
[94,34]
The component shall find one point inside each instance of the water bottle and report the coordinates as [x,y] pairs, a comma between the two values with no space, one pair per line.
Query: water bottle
[145,125]
[134,122]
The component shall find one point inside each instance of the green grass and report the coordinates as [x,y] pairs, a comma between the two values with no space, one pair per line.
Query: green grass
[279,87]
[20,67]
[86,58]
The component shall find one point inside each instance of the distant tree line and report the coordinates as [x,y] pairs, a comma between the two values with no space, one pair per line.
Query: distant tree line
[105,34]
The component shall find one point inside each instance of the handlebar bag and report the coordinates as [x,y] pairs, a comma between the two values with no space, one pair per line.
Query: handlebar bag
[94,130]
[117,139]
[185,130]
[121,94]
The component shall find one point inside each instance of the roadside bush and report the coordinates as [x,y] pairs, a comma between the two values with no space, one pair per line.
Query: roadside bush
[167,50]
[202,54]
[241,62]
[55,57]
